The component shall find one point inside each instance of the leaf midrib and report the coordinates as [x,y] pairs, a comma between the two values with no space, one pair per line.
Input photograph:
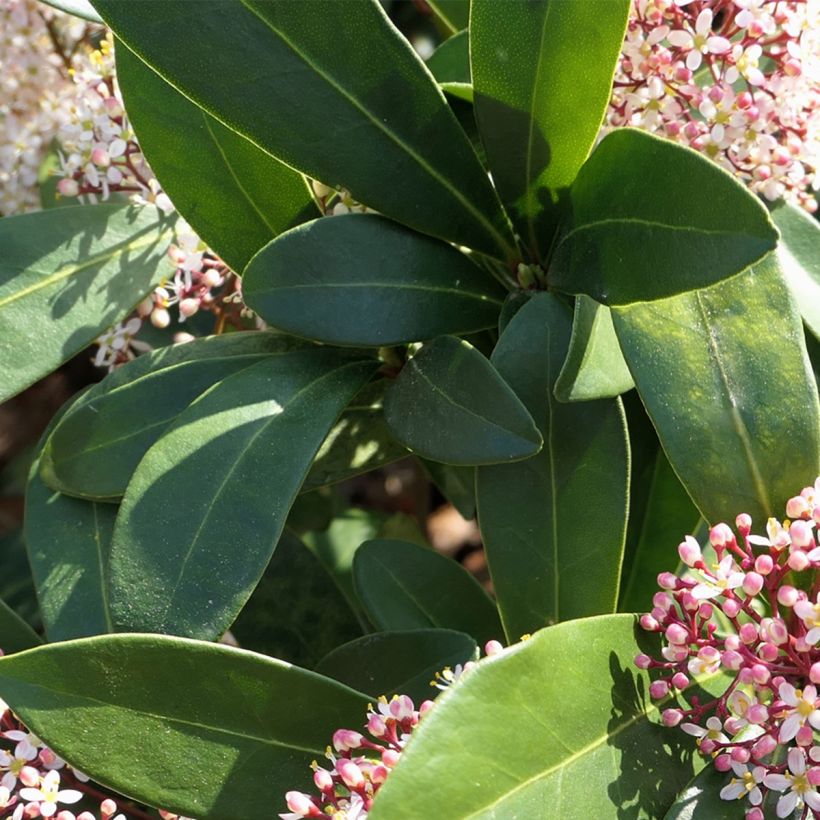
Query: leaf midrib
[467,294]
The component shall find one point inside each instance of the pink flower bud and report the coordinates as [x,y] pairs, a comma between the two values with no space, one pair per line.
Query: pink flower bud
[160,317]
[643,661]
[731,642]
[814,776]
[760,674]
[775,630]
[723,763]
[667,580]
[107,808]
[764,746]
[188,307]
[346,739]
[721,536]
[390,757]
[65,815]
[671,717]
[301,804]
[731,607]
[768,652]
[744,524]
[748,633]
[798,561]
[662,600]
[31,810]
[212,279]
[679,680]
[675,633]
[787,595]
[707,746]
[113,107]
[732,660]
[745,675]
[798,507]
[801,534]
[100,157]
[740,754]
[755,814]
[378,774]
[805,735]
[86,815]
[29,776]
[648,623]
[757,713]
[658,689]
[706,610]
[376,725]
[752,583]
[764,564]
[68,187]
[493,648]
[350,773]
[689,551]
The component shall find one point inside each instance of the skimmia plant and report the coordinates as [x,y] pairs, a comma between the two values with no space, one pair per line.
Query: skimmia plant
[567,264]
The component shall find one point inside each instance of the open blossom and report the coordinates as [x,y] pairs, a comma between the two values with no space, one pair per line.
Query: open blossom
[740,610]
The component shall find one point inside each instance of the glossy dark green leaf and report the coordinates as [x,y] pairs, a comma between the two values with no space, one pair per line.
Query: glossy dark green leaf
[79,8]
[359,442]
[700,800]
[626,239]
[551,558]
[450,62]
[402,663]
[726,379]
[95,449]
[16,583]
[594,367]
[200,729]
[363,280]
[405,586]
[402,153]
[71,273]
[454,14]
[456,484]
[799,255]
[296,613]
[68,542]
[207,504]
[665,518]
[15,634]
[450,404]
[236,196]
[542,73]
[559,726]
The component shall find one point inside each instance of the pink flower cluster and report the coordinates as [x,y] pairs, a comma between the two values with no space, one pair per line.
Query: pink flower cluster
[738,80]
[740,612]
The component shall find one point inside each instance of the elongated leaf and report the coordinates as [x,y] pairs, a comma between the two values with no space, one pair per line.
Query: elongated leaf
[700,800]
[456,484]
[405,586]
[799,255]
[296,613]
[594,367]
[16,584]
[626,239]
[96,447]
[15,634]
[79,8]
[454,14]
[548,743]
[207,504]
[236,196]
[402,663]
[359,442]
[726,379]
[450,62]
[201,729]
[550,558]
[68,542]
[450,404]
[66,275]
[405,154]
[667,516]
[363,280]
[542,74]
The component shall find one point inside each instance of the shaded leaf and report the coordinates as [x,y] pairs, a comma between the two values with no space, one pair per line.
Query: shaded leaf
[16,583]
[405,586]
[550,557]
[172,567]
[700,800]
[450,62]
[15,634]
[450,404]
[456,484]
[233,194]
[243,733]
[402,663]
[627,240]
[726,379]
[71,273]
[454,14]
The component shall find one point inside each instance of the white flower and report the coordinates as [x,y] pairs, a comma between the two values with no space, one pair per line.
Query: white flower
[809,613]
[726,576]
[699,43]
[23,754]
[712,731]
[796,781]
[50,794]
[803,709]
[746,784]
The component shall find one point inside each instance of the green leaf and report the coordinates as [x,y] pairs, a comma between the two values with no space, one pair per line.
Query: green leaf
[560,725]
[726,379]
[16,584]
[450,62]
[667,516]
[542,74]
[626,239]
[68,542]
[400,663]
[96,447]
[403,152]
[700,800]
[200,729]
[799,256]
[594,367]
[234,195]
[550,556]
[456,484]
[79,8]
[363,280]
[66,275]
[450,404]
[405,586]
[296,613]
[205,508]
[15,634]
[454,14]
[359,442]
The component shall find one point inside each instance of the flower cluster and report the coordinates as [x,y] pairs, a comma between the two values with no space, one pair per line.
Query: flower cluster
[738,80]
[360,763]
[740,613]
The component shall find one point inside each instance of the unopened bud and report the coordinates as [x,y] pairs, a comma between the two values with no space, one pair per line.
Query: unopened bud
[68,187]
